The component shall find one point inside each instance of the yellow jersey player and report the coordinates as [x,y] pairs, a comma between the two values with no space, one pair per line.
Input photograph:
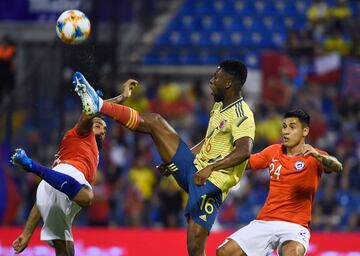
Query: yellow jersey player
[221,156]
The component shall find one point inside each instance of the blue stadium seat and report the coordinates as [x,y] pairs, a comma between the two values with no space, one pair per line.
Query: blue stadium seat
[250,23]
[272,24]
[178,38]
[222,7]
[208,56]
[189,22]
[224,25]
[239,39]
[201,7]
[210,23]
[264,7]
[278,39]
[187,56]
[252,59]
[166,56]
[150,58]
[243,7]
[200,38]
[291,22]
[187,8]
[231,23]
[219,38]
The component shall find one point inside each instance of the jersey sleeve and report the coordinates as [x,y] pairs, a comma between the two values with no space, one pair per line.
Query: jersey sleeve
[262,159]
[243,126]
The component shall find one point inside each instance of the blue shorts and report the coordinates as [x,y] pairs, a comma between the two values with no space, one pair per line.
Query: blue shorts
[204,201]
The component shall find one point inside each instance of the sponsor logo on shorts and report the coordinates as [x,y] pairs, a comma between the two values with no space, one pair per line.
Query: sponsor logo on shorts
[203,217]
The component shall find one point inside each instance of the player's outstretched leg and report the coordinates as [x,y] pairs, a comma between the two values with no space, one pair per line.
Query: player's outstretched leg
[164,136]
[62,182]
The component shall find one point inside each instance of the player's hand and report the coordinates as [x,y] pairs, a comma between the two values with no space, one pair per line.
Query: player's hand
[202,175]
[128,87]
[20,243]
[308,150]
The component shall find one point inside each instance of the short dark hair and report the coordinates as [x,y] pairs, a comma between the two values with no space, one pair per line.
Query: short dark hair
[235,68]
[301,114]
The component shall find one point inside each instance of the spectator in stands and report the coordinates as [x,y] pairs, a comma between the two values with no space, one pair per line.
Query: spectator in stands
[142,178]
[99,210]
[355,50]
[335,42]
[340,14]
[299,43]
[7,67]
[270,128]
[277,93]
[354,222]
[328,210]
[171,202]
[318,16]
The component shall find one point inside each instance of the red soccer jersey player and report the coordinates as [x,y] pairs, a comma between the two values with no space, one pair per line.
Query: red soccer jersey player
[65,188]
[293,183]
[295,169]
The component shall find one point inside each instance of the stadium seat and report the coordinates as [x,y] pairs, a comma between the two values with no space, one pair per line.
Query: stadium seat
[242,7]
[247,25]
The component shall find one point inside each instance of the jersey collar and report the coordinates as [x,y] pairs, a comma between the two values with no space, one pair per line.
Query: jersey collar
[232,104]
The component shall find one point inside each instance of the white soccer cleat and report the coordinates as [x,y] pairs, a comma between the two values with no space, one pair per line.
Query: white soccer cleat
[89,98]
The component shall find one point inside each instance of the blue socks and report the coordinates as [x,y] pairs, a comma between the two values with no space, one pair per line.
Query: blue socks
[62,182]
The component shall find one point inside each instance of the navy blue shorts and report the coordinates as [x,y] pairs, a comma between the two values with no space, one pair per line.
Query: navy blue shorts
[204,201]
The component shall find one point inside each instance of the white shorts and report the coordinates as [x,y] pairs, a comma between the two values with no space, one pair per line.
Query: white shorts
[56,209]
[261,238]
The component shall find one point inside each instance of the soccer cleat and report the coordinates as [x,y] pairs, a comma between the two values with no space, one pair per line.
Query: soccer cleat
[89,98]
[21,159]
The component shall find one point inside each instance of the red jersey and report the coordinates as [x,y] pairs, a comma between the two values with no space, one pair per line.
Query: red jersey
[293,183]
[81,152]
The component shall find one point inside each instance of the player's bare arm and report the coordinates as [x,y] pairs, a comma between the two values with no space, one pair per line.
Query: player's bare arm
[33,220]
[196,149]
[330,163]
[242,151]
[127,89]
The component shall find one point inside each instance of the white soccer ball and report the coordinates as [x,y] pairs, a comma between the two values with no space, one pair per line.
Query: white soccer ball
[73,27]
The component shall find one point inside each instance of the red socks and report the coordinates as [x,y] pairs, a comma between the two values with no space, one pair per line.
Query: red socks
[128,117]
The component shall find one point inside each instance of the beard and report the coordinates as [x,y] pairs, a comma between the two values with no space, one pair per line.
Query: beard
[99,142]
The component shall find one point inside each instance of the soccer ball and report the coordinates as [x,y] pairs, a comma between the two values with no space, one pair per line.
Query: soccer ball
[73,27]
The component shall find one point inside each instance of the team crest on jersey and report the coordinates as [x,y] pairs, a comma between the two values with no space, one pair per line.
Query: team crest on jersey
[222,124]
[299,165]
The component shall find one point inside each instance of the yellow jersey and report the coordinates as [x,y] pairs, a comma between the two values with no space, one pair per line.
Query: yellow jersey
[226,125]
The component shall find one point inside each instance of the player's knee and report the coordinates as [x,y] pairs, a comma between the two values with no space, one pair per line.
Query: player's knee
[155,119]
[89,198]
[195,244]
[151,122]
[297,250]
[195,249]
[85,197]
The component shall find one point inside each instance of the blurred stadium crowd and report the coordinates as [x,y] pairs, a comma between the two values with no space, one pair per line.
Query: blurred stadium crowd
[129,191]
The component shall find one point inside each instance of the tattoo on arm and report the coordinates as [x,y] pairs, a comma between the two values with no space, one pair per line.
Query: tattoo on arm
[330,163]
